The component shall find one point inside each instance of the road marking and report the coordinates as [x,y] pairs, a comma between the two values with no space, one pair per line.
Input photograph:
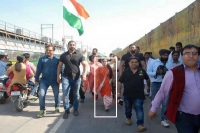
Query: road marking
[61,120]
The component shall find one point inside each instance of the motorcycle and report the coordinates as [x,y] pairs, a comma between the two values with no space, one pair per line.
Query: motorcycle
[3,94]
[19,94]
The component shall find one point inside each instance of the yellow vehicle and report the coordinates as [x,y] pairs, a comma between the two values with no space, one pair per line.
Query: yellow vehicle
[13,61]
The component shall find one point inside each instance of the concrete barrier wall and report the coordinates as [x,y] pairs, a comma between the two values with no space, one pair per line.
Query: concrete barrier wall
[183,27]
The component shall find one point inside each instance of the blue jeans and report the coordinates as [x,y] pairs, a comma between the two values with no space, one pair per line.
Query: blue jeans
[187,123]
[154,89]
[138,107]
[43,89]
[68,84]
[33,91]
[33,87]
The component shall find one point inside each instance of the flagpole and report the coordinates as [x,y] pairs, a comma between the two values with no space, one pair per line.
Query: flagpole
[63,21]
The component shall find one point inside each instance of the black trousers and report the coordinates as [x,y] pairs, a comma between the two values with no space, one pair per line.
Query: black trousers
[187,123]
[81,93]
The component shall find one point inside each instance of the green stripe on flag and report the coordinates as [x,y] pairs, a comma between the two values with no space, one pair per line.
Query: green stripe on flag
[73,20]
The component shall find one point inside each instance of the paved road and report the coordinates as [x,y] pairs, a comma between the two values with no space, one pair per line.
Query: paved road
[27,121]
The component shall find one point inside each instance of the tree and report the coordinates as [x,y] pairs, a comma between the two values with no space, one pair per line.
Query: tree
[117,50]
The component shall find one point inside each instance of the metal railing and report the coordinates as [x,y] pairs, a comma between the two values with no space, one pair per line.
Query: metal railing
[21,31]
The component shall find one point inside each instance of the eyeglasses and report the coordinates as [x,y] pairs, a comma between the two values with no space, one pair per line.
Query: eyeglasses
[49,50]
[190,53]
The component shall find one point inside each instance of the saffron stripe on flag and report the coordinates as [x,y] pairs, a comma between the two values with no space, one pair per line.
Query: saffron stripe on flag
[80,9]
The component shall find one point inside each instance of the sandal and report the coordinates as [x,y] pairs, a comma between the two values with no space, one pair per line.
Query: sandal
[106,108]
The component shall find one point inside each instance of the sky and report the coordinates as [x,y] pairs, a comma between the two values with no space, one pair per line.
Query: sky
[112,23]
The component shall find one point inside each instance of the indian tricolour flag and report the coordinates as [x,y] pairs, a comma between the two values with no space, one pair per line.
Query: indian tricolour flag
[73,12]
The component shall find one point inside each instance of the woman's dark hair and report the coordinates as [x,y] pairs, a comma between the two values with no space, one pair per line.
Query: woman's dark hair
[109,68]
[26,55]
[20,59]
[110,71]
[134,58]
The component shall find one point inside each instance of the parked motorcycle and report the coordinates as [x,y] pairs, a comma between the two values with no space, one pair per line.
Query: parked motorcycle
[3,94]
[19,94]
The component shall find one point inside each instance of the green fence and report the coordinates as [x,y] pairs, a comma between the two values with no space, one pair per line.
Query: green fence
[34,62]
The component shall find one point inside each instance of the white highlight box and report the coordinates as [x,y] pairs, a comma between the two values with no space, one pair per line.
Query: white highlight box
[95,116]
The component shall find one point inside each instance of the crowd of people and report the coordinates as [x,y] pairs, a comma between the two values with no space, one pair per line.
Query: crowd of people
[171,80]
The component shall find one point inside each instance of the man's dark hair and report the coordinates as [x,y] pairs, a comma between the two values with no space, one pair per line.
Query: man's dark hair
[50,45]
[131,45]
[176,52]
[172,48]
[138,47]
[26,55]
[179,44]
[111,54]
[1,56]
[71,42]
[147,53]
[189,46]
[95,49]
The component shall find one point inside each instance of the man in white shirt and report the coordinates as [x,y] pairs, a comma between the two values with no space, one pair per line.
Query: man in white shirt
[148,61]
[175,62]
[178,48]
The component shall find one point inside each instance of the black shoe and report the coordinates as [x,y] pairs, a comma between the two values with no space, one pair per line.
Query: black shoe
[76,113]
[82,101]
[70,105]
[65,116]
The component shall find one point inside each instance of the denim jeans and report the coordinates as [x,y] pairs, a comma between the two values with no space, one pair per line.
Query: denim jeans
[43,89]
[68,84]
[138,107]
[33,91]
[33,87]
[154,89]
[187,123]
[81,93]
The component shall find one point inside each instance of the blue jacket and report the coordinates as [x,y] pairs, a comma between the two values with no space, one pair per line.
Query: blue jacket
[48,68]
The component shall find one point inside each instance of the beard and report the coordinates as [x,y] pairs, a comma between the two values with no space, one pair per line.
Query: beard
[133,51]
[163,59]
[72,49]
[94,53]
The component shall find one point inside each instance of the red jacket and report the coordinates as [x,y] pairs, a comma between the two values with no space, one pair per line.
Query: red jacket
[176,93]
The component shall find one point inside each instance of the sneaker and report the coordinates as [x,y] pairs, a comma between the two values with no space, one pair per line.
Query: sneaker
[57,110]
[31,97]
[65,116]
[164,123]
[128,121]
[82,101]
[76,113]
[41,113]
[141,128]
